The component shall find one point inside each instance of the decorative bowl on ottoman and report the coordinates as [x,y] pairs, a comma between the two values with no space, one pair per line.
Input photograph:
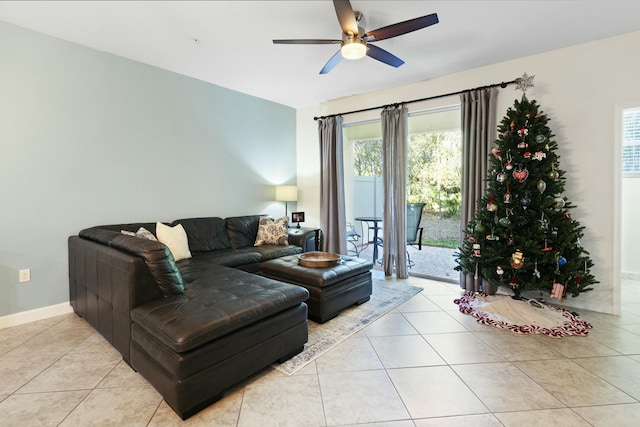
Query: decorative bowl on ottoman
[319,259]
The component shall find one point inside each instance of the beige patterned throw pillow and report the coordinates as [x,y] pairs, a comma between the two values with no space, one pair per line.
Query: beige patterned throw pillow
[272,232]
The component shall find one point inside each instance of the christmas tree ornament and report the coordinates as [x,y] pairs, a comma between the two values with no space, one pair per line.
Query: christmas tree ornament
[501,177]
[522,145]
[539,155]
[523,132]
[527,154]
[504,221]
[546,248]
[508,166]
[496,153]
[507,196]
[558,203]
[521,174]
[492,237]
[553,174]
[560,260]
[517,259]
[525,82]
[557,291]
[536,272]
[492,206]
[540,139]
[525,202]
[512,125]
[499,271]
[578,278]
[541,186]
[476,250]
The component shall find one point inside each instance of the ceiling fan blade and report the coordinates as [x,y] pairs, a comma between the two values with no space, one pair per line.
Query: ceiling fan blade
[402,28]
[382,55]
[346,16]
[306,41]
[331,63]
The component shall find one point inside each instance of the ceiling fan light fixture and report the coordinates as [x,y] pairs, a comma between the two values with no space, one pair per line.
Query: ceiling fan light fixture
[354,49]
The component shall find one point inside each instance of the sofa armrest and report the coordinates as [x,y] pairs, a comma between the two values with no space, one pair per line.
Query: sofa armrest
[156,255]
[104,285]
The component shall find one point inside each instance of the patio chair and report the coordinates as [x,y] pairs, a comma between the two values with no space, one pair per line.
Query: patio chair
[353,238]
[414,231]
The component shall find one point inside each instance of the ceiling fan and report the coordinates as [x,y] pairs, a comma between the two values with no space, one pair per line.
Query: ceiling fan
[355,43]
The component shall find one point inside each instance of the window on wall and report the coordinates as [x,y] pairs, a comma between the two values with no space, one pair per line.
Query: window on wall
[631,142]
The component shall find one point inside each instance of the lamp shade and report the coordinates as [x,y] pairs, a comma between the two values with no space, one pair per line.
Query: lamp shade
[286,193]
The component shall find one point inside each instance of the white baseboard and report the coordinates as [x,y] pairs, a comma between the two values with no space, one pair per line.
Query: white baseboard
[36,314]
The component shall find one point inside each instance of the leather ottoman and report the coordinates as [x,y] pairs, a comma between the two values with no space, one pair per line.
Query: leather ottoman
[331,289]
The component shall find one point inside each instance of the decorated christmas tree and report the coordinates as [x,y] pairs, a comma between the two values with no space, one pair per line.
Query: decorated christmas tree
[522,234]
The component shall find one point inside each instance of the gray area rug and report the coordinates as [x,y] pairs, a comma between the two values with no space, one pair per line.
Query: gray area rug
[386,296]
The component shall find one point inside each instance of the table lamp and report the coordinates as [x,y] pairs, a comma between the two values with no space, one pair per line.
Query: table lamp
[286,193]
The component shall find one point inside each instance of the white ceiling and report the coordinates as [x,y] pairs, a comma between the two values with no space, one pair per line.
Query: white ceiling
[234,47]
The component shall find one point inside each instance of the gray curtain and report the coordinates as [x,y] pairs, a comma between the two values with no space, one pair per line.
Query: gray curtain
[332,212]
[394,173]
[478,112]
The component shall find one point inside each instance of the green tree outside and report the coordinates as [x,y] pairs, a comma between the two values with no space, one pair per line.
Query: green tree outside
[434,164]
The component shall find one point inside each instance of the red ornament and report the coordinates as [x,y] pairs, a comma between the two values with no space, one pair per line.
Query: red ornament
[521,174]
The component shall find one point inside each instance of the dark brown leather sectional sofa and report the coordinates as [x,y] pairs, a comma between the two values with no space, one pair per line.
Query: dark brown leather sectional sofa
[195,327]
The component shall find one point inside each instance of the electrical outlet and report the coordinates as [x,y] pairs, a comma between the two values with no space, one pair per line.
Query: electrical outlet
[24,275]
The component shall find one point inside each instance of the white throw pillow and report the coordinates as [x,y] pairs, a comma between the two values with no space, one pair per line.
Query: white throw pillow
[175,238]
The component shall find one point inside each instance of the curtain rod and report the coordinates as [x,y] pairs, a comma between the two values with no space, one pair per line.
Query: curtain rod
[501,84]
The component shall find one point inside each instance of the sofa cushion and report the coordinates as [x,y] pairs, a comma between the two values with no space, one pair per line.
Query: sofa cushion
[205,234]
[175,238]
[217,301]
[242,230]
[268,252]
[226,257]
[272,232]
[156,256]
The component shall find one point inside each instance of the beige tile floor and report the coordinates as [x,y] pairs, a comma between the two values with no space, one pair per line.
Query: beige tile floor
[422,365]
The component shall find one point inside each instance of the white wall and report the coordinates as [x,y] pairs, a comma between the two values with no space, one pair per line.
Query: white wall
[89,138]
[579,88]
[631,228]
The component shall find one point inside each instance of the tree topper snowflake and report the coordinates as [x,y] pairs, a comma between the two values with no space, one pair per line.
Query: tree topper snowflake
[525,82]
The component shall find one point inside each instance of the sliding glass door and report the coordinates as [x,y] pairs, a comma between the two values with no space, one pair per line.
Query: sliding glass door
[433,179]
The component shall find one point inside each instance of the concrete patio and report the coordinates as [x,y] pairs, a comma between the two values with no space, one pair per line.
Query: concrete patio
[430,262]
